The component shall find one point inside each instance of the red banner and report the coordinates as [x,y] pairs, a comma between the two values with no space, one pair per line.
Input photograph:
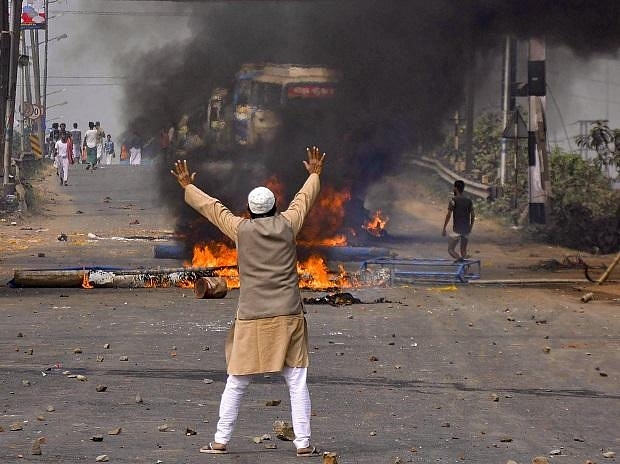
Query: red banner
[33,14]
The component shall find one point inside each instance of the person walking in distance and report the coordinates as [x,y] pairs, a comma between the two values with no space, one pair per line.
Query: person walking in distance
[108,150]
[270,332]
[76,136]
[135,150]
[461,209]
[54,136]
[90,143]
[61,148]
[100,141]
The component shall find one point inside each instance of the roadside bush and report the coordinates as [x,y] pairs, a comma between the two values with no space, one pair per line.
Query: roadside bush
[32,176]
[584,210]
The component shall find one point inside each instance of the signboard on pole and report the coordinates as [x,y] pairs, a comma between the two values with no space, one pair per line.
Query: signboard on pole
[31,110]
[33,14]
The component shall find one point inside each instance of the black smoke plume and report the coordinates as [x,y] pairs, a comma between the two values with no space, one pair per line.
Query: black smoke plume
[403,64]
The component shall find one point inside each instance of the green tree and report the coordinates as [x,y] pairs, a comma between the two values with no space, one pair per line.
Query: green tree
[605,142]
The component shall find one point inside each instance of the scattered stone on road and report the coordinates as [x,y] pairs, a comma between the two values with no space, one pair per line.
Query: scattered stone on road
[16,427]
[283,430]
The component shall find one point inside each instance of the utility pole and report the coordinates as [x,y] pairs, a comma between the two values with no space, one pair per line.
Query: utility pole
[34,47]
[44,91]
[539,179]
[24,89]
[508,99]
[16,7]
[5,52]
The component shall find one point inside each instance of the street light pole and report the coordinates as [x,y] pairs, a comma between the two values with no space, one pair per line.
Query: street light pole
[43,96]
[26,95]
[5,47]
[10,103]
[34,46]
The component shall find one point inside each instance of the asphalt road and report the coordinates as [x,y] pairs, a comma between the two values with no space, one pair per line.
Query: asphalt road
[414,373]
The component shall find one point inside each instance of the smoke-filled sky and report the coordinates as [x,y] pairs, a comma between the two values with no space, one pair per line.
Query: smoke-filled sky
[403,62]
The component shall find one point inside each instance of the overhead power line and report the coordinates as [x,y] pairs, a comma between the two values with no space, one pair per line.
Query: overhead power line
[87,77]
[121,13]
[85,85]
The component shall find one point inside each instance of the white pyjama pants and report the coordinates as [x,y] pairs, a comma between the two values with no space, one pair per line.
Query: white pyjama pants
[236,385]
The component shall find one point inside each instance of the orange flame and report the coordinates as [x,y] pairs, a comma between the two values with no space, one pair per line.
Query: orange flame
[376,225]
[321,228]
[215,254]
[326,218]
[337,240]
[314,274]
[85,281]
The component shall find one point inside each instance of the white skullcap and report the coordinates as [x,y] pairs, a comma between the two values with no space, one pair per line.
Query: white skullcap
[261,200]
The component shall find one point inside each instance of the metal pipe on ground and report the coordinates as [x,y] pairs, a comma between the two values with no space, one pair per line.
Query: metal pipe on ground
[331,253]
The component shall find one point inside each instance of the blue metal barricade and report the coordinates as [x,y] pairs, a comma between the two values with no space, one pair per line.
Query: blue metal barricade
[426,269]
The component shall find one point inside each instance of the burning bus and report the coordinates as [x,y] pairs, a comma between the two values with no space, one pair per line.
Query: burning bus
[253,112]
[249,131]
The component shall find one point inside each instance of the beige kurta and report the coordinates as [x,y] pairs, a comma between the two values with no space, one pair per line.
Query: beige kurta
[261,344]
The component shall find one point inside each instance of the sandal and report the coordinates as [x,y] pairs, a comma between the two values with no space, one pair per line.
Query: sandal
[308,452]
[209,449]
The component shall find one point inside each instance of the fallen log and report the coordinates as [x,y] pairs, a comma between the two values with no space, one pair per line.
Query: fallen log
[48,279]
[109,277]
[608,270]
[210,287]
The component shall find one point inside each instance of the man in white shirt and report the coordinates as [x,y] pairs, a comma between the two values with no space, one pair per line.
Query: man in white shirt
[90,143]
[62,158]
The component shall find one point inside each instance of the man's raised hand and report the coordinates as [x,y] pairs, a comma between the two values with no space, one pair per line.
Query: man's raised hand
[314,165]
[181,172]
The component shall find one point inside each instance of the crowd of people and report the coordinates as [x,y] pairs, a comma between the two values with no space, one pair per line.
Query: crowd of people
[92,149]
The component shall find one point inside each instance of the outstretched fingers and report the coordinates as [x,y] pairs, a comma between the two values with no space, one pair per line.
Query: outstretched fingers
[314,153]
[315,159]
[181,172]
